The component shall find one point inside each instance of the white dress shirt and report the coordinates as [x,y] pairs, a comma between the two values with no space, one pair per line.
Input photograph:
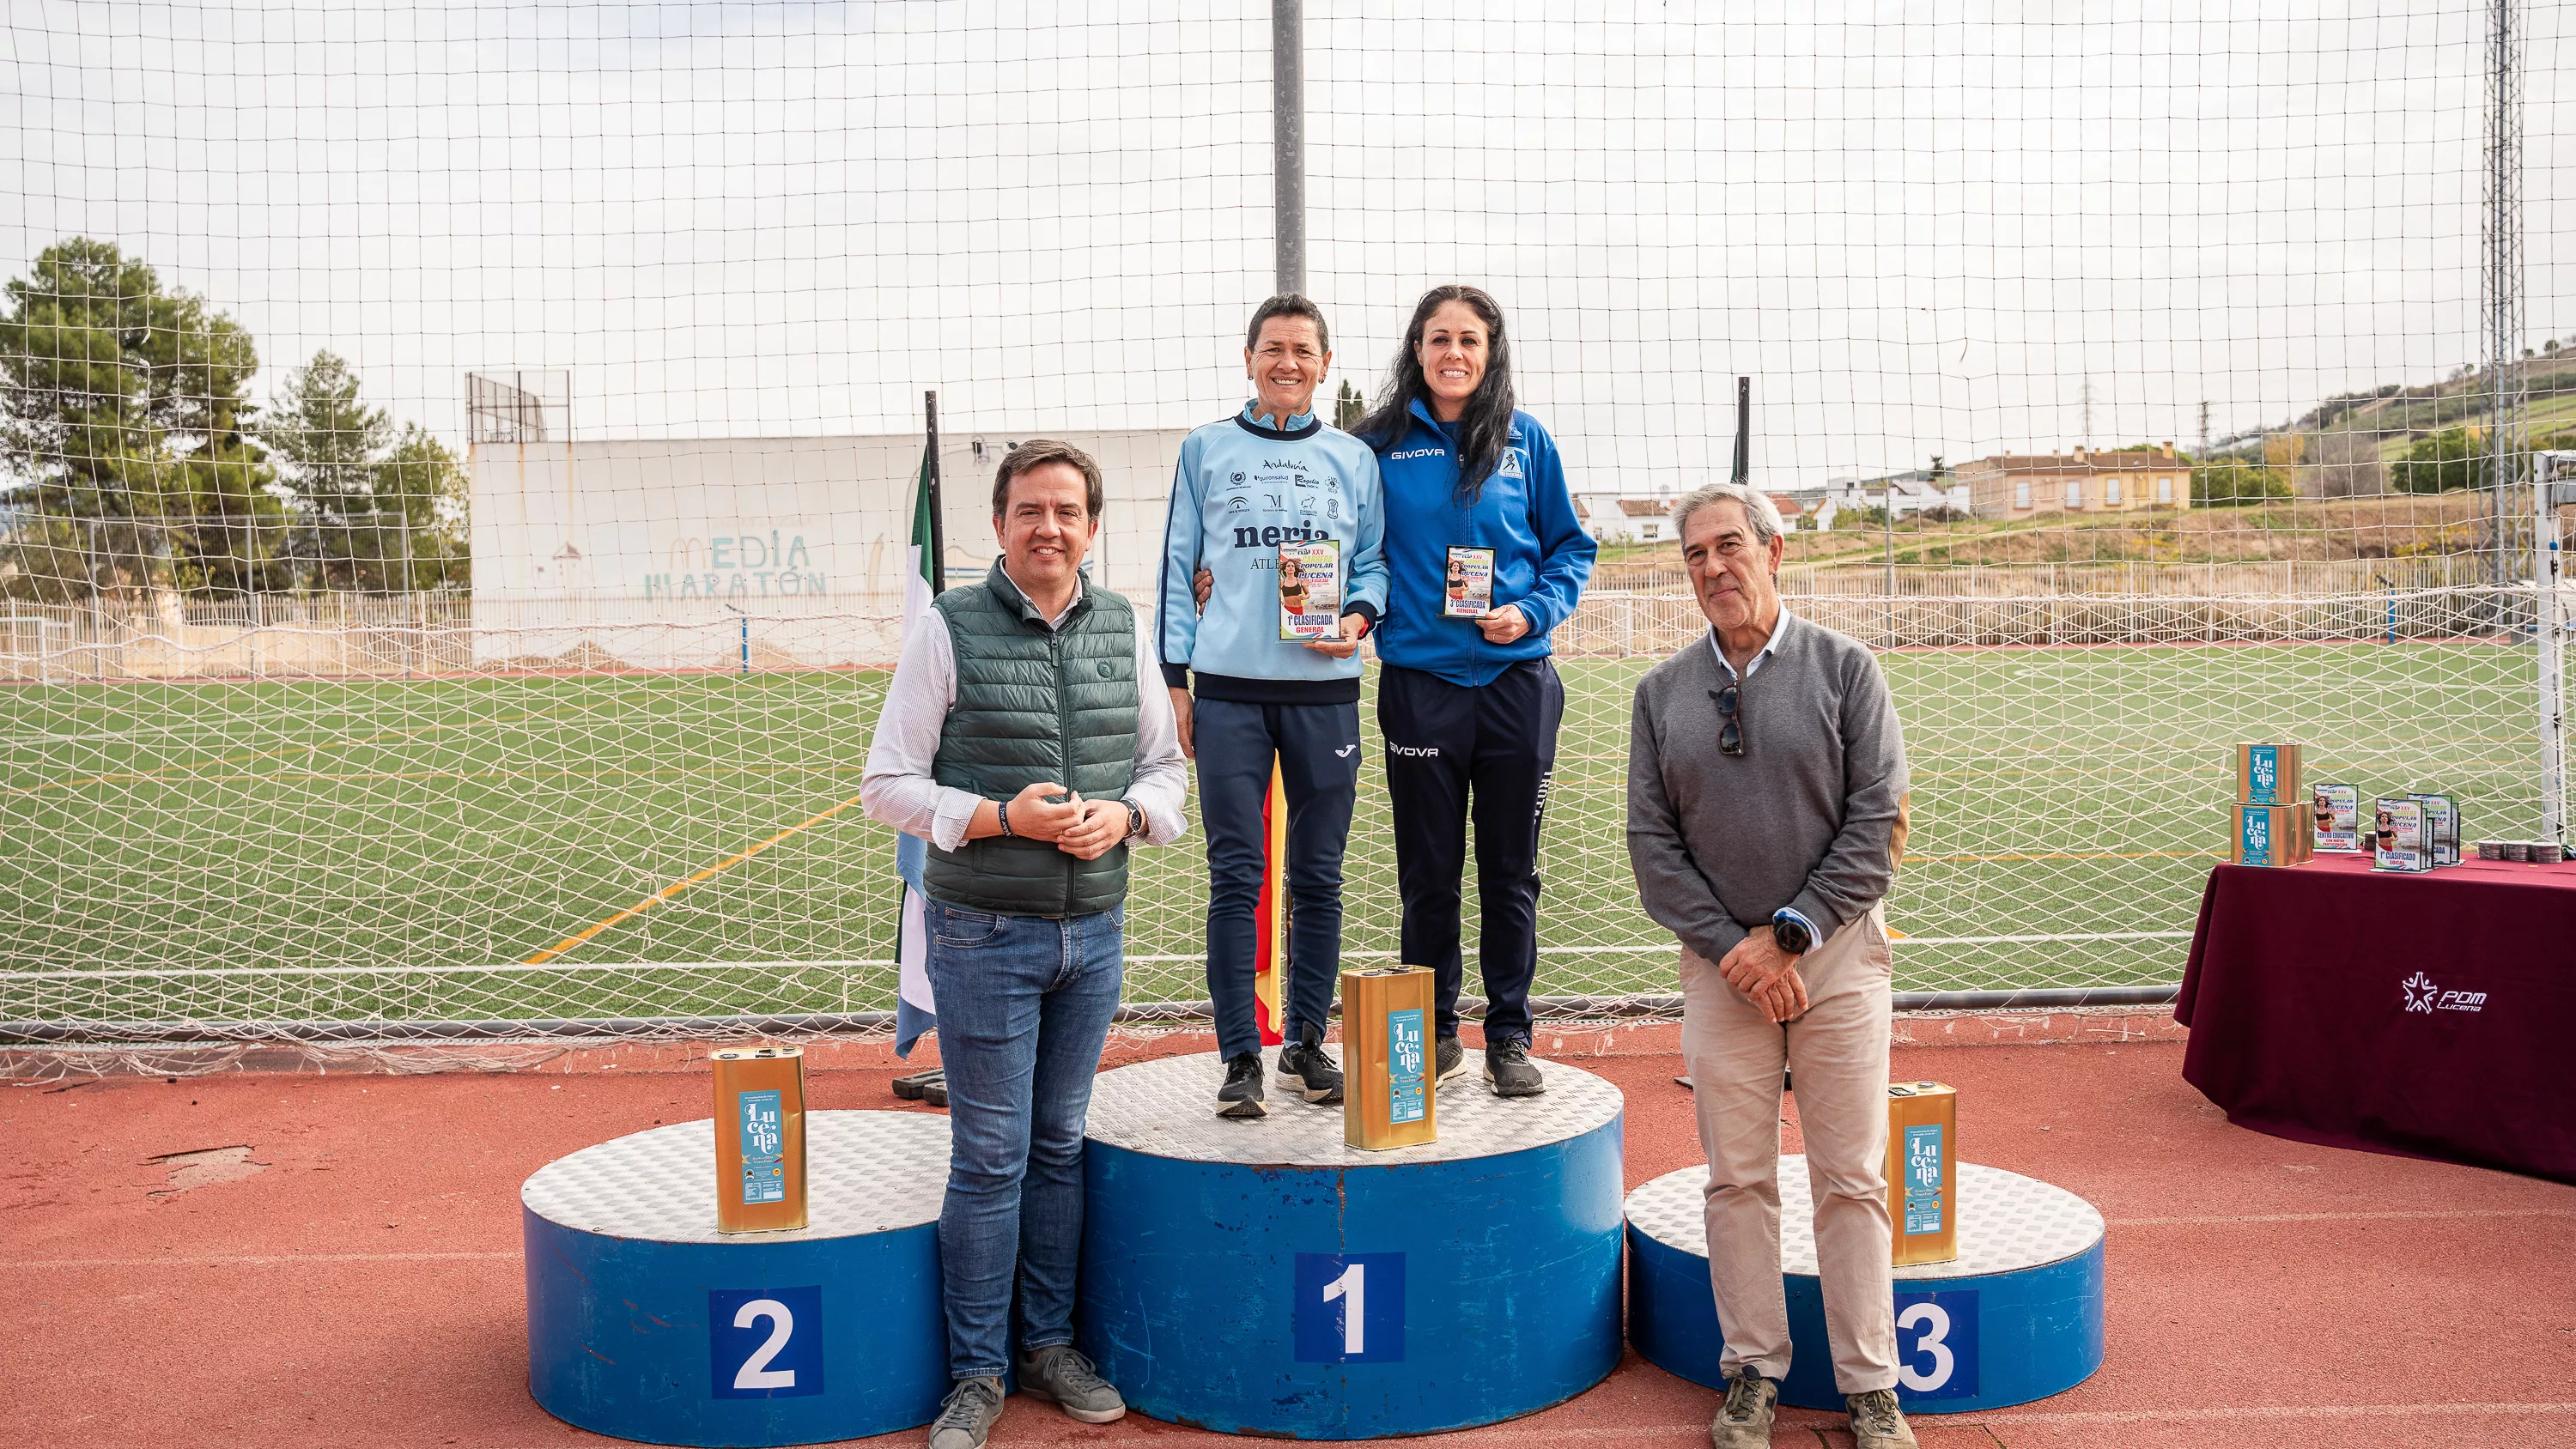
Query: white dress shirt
[897,787]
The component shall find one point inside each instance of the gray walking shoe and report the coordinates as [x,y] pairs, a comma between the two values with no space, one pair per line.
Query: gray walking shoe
[1510,1072]
[1307,1071]
[1744,1420]
[966,1417]
[1876,1422]
[1448,1062]
[1241,1095]
[1061,1374]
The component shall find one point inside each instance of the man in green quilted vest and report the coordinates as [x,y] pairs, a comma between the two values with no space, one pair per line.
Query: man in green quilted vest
[1016,742]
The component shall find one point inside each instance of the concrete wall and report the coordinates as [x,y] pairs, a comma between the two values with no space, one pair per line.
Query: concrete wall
[602,544]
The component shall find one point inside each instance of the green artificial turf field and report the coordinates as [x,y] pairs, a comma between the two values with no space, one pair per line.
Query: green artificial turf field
[359,850]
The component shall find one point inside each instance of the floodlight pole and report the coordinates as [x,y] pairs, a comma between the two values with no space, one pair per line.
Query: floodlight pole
[1288,142]
[2549,576]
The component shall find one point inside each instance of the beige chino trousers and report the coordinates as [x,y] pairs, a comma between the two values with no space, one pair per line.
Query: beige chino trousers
[1838,1051]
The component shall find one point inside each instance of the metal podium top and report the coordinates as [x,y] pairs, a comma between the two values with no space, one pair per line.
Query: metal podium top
[1167,1108]
[865,1172]
[2007,1222]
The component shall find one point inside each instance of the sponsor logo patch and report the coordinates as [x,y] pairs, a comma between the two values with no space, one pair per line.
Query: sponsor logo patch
[2425,995]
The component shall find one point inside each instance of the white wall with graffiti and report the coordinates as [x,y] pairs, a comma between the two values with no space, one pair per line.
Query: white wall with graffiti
[751,552]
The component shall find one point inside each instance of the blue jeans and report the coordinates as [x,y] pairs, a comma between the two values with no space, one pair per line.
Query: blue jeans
[1317,747]
[1024,1006]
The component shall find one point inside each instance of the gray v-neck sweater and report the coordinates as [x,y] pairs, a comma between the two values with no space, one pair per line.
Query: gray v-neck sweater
[1803,818]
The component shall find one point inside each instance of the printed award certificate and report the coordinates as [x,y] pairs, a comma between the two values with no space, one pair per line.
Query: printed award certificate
[1310,589]
[1470,593]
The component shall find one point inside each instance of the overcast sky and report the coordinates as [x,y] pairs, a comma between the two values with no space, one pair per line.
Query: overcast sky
[733,219]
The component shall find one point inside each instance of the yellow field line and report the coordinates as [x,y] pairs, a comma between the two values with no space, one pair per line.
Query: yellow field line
[683,883]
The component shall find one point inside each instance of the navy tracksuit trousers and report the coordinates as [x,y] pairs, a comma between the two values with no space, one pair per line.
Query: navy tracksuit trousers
[1452,749]
[1318,750]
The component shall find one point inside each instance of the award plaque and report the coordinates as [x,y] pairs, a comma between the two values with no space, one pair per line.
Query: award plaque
[760,1139]
[1387,1070]
[1922,1171]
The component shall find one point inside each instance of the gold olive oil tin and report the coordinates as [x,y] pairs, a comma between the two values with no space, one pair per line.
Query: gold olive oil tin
[760,1139]
[1387,1068]
[1923,1171]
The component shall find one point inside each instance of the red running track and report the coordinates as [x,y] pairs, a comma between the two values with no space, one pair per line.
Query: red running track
[353,1279]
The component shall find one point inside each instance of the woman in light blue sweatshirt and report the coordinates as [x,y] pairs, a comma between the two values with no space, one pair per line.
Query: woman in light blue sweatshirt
[1470,706]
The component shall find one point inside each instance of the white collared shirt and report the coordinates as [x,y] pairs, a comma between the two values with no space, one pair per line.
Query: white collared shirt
[897,787]
[1752,666]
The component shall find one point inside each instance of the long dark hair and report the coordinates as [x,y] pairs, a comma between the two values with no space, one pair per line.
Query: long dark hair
[1485,426]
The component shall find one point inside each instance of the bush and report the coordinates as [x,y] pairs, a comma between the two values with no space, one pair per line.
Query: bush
[2449,458]
[2236,483]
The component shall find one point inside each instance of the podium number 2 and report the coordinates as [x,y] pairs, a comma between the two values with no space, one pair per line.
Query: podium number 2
[1934,1320]
[764,1343]
[755,1372]
[1352,1289]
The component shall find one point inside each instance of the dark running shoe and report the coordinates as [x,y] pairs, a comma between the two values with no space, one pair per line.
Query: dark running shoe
[1305,1070]
[1510,1072]
[1448,1062]
[1065,1377]
[1241,1094]
[966,1419]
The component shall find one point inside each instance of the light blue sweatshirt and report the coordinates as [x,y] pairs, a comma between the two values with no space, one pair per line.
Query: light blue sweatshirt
[1241,489]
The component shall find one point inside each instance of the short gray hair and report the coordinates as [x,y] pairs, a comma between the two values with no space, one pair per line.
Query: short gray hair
[1758,509]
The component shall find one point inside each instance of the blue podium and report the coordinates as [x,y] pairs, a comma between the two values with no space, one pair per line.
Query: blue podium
[644,1323]
[1262,1278]
[2017,1316]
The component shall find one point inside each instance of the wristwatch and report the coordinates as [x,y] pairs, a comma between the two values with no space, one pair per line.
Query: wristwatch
[1135,819]
[1789,932]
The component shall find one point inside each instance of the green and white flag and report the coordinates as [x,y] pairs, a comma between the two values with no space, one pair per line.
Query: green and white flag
[913,1011]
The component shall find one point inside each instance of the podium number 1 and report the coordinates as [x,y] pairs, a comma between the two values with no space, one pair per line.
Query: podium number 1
[1352,1289]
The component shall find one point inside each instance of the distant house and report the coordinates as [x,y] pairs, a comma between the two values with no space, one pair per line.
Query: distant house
[2022,485]
[1626,520]
[1912,491]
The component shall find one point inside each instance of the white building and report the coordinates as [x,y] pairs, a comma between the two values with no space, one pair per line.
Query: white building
[1912,491]
[1612,519]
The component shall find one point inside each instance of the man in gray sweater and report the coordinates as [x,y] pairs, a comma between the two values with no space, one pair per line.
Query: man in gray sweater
[1766,808]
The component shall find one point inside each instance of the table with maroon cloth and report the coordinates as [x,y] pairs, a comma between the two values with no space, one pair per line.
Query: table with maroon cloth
[2425,1015]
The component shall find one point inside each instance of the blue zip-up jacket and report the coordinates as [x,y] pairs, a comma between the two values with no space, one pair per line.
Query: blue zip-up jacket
[1240,490]
[1524,513]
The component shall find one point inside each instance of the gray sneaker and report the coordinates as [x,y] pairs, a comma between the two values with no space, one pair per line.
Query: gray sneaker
[1509,1071]
[1448,1062]
[1744,1420]
[1063,1375]
[1876,1422]
[967,1416]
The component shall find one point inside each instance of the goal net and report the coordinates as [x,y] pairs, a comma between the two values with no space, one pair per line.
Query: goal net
[452,594]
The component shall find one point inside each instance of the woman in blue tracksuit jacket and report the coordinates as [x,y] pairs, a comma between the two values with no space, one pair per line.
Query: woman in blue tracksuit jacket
[1470,706]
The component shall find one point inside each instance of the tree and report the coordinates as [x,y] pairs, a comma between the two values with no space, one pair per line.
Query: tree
[374,511]
[2236,483]
[2447,458]
[124,426]
[1348,407]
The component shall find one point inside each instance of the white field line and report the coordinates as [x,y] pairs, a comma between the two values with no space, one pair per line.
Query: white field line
[505,968]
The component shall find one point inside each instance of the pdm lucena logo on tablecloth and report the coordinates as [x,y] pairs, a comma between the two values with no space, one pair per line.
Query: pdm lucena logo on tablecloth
[2424,995]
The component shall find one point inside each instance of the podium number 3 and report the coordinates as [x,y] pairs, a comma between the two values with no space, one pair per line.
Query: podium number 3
[1352,1289]
[755,1372]
[1934,1320]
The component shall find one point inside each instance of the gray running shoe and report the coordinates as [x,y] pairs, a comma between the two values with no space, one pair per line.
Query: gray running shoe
[1061,1374]
[966,1418]
[1307,1071]
[1509,1071]
[1241,1096]
[1744,1420]
[1448,1062]
[1876,1422]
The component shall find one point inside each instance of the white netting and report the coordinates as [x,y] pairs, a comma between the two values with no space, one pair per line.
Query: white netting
[458,461]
